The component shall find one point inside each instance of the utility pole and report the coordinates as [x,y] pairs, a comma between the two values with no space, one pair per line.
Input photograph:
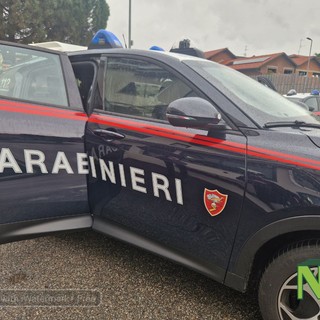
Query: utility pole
[308,67]
[129,33]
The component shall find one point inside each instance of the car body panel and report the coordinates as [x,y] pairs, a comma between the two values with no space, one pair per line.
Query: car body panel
[176,218]
[129,174]
[33,130]
[283,192]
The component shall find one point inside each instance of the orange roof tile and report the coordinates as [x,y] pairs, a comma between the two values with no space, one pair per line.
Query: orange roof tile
[210,54]
[254,62]
[299,60]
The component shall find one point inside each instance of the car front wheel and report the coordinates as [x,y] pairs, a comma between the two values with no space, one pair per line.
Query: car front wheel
[278,286]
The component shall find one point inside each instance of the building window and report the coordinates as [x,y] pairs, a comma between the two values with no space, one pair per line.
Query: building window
[302,73]
[316,74]
[288,71]
[272,70]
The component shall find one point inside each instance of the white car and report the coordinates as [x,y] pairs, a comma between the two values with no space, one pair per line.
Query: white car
[311,100]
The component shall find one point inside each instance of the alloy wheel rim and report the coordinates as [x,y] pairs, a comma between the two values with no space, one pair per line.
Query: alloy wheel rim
[290,308]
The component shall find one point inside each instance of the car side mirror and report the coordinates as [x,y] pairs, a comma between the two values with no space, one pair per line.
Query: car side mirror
[193,112]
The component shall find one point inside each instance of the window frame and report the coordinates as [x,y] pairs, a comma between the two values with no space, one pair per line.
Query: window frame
[103,61]
[314,98]
[302,73]
[73,101]
[291,70]
[273,69]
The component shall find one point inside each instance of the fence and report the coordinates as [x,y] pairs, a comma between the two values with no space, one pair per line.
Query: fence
[286,82]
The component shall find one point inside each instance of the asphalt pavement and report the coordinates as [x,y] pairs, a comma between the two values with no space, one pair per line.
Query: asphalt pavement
[86,275]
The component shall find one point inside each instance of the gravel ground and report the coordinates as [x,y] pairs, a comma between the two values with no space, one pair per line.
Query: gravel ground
[130,283]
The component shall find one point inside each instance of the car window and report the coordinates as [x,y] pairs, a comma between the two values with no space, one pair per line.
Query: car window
[84,72]
[312,102]
[31,75]
[259,102]
[139,88]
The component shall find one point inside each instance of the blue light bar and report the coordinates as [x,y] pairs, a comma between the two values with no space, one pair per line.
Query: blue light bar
[104,39]
[156,48]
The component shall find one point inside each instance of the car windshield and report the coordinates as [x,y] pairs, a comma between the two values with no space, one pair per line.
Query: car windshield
[260,103]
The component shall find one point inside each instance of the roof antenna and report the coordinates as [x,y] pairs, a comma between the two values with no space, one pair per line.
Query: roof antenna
[245,50]
[300,46]
[124,40]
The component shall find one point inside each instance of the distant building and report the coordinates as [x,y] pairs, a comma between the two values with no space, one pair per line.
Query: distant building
[220,55]
[264,64]
[302,65]
[274,63]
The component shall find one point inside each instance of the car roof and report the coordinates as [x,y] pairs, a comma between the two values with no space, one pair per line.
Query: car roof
[31,47]
[137,52]
[158,55]
[58,46]
[299,96]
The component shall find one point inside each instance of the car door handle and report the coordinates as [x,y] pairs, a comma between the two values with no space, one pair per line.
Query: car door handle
[109,134]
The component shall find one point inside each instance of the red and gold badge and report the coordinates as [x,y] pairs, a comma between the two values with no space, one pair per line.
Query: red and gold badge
[214,201]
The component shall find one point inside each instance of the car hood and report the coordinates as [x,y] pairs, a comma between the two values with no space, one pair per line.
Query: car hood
[313,135]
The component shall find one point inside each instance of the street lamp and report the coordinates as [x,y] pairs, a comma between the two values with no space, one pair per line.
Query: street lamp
[309,54]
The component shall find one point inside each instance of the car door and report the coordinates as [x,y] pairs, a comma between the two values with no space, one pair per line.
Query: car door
[312,102]
[175,191]
[41,135]
[318,100]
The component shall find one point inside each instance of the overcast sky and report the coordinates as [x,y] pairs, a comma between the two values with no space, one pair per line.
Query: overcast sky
[261,26]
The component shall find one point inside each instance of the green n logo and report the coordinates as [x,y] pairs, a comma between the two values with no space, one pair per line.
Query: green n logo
[305,273]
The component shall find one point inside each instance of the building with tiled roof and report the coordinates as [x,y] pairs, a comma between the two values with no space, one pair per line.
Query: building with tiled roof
[219,55]
[278,63]
[264,64]
[302,65]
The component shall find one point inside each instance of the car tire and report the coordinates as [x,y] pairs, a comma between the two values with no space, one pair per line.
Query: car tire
[278,290]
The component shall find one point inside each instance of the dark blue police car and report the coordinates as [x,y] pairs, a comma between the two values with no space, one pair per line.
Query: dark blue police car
[175,154]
